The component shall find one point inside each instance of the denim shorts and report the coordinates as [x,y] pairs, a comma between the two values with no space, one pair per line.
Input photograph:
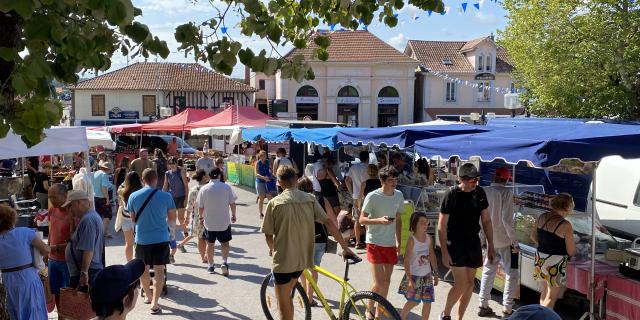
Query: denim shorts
[58,275]
[261,189]
[318,252]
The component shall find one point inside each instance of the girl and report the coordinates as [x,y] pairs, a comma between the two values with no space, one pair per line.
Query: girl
[192,210]
[419,265]
[263,178]
[131,184]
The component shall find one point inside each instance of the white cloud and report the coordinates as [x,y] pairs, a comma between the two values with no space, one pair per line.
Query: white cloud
[398,42]
[410,10]
[175,7]
[487,18]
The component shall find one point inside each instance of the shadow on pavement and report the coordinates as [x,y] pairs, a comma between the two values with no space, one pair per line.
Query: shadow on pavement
[187,278]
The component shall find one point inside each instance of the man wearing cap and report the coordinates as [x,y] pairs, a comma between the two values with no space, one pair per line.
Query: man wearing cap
[500,199]
[115,290]
[142,162]
[101,185]
[458,229]
[153,213]
[84,254]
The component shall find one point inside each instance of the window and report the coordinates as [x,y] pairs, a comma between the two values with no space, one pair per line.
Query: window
[450,91]
[484,91]
[513,88]
[488,63]
[480,62]
[261,84]
[447,62]
[148,105]
[97,105]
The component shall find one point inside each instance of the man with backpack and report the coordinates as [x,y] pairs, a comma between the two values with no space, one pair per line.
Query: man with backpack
[153,212]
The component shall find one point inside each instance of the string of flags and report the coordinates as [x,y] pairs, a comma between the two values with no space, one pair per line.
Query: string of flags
[470,84]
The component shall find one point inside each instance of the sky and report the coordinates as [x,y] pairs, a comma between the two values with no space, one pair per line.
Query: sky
[162,16]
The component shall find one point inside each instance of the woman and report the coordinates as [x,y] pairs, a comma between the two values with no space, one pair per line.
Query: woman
[121,172]
[554,236]
[372,183]
[424,171]
[220,165]
[319,247]
[25,294]
[160,162]
[132,183]
[115,290]
[382,160]
[193,210]
[102,157]
[263,179]
[329,186]
[41,188]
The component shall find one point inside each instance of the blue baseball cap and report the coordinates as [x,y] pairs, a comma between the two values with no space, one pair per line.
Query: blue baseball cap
[112,282]
[534,312]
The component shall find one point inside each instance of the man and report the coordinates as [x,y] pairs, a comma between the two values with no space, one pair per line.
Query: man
[500,199]
[143,162]
[458,226]
[85,253]
[398,161]
[101,186]
[205,163]
[153,212]
[282,160]
[172,147]
[214,200]
[60,228]
[381,215]
[289,229]
[355,177]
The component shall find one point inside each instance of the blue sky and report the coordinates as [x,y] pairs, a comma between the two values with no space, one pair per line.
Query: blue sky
[162,16]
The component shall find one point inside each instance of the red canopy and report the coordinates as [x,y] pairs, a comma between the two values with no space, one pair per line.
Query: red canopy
[178,122]
[126,128]
[242,116]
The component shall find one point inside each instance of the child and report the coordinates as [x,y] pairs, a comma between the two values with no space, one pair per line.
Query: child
[419,261]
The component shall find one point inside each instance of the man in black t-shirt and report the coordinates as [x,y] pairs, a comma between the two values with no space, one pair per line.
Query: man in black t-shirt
[458,227]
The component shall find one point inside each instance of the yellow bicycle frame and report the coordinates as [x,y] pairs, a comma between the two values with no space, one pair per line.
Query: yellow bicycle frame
[347,290]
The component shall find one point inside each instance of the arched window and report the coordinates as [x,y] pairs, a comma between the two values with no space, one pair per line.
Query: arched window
[480,63]
[307,101]
[488,62]
[348,101]
[388,104]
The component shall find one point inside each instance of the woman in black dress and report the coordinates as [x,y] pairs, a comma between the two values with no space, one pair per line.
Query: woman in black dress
[329,186]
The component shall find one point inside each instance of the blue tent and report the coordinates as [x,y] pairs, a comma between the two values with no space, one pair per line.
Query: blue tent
[403,137]
[543,145]
[320,136]
[267,134]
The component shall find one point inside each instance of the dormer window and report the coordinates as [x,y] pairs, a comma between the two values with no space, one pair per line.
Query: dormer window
[488,63]
[447,62]
[480,62]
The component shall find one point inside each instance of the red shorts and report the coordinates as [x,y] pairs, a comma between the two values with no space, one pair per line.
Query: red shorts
[381,255]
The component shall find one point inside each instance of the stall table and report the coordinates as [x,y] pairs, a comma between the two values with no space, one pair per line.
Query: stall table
[623,298]
[578,277]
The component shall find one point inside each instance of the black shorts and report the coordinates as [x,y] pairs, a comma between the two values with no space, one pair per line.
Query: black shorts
[103,208]
[221,236]
[334,201]
[156,254]
[284,278]
[179,201]
[467,253]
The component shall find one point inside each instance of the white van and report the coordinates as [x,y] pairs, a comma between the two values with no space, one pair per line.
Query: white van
[618,195]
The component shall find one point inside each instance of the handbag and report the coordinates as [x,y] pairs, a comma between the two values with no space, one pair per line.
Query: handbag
[75,305]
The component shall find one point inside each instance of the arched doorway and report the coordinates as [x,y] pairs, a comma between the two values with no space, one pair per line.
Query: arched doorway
[307,101]
[388,104]
[348,101]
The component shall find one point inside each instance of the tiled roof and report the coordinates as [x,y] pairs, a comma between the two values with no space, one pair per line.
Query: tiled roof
[355,46]
[469,45]
[432,53]
[173,77]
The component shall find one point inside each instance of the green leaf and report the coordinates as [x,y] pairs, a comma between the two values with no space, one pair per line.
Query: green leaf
[323,55]
[19,84]
[25,8]
[245,55]
[274,33]
[137,31]
[271,66]
[9,54]
[391,21]
[37,28]
[322,41]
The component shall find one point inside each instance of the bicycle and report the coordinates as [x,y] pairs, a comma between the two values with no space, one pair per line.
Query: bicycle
[353,304]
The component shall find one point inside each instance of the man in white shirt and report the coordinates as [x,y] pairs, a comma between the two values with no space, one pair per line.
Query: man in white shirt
[205,163]
[500,198]
[214,200]
[282,160]
[355,177]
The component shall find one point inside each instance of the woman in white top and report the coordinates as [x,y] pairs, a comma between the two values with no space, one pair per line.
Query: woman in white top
[419,263]
[132,183]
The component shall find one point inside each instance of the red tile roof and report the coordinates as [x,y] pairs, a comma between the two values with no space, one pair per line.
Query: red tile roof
[354,46]
[432,53]
[172,77]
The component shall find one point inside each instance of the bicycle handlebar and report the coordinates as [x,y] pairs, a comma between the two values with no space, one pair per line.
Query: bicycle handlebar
[353,259]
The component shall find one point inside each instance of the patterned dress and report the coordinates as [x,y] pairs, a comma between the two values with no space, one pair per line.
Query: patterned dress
[197,228]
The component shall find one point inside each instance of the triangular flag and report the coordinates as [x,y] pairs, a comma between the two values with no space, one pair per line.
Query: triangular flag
[395,15]
[223,29]
[416,18]
[477,5]
[464,6]
[430,12]
[333,26]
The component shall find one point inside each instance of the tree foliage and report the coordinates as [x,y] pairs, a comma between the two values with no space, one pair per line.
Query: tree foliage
[576,58]
[49,40]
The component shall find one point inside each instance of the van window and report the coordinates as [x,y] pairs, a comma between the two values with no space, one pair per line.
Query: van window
[636,198]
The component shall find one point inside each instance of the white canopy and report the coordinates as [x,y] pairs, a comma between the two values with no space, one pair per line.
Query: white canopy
[217,131]
[100,138]
[58,140]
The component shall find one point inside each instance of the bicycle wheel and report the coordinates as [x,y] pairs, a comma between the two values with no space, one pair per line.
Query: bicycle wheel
[301,308]
[369,305]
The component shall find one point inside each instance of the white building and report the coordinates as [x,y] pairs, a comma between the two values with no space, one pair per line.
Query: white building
[136,92]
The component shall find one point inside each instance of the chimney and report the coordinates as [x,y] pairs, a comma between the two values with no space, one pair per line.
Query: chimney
[247,75]
[492,37]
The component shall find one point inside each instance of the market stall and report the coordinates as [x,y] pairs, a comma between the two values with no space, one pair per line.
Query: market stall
[543,146]
[178,123]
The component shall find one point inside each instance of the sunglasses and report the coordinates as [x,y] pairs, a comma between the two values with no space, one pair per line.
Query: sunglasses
[476,179]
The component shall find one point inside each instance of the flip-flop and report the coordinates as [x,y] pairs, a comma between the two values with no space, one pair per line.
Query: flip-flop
[145,301]
[157,310]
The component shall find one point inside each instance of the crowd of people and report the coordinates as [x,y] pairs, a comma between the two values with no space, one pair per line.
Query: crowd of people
[154,206]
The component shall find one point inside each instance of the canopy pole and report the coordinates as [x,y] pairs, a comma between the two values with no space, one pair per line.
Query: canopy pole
[304,157]
[182,142]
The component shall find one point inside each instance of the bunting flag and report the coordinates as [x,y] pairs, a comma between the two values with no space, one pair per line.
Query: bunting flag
[464,6]
[223,30]
[477,5]
[333,27]
[470,84]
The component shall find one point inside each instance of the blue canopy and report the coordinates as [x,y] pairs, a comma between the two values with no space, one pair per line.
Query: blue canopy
[320,136]
[542,145]
[405,136]
[532,122]
[268,134]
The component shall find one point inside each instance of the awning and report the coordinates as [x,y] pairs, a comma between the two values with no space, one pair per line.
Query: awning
[242,116]
[216,131]
[100,138]
[178,122]
[403,137]
[59,140]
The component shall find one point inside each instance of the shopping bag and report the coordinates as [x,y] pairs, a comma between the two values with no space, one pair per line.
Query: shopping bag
[75,305]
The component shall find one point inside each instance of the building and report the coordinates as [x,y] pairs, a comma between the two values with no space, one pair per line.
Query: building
[460,78]
[365,83]
[136,93]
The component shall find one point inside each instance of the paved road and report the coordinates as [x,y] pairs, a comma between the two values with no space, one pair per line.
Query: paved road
[195,294]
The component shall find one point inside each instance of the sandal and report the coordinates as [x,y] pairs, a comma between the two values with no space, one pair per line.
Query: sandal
[145,301]
[361,246]
[157,310]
